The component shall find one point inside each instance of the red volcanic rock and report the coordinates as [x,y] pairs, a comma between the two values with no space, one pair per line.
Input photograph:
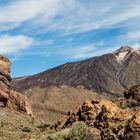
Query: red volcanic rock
[4,96]
[19,102]
[4,80]
[8,97]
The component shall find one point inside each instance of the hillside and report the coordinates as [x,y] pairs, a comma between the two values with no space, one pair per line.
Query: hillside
[54,102]
[109,74]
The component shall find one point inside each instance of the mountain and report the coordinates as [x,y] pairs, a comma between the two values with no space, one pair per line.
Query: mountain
[60,109]
[109,74]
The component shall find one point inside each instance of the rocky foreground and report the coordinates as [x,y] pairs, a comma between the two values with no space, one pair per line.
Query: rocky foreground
[107,120]
[95,120]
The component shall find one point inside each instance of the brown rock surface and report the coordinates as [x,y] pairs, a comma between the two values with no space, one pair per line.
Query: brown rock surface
[4,79]
[19,102]
[8,97]
[133,93]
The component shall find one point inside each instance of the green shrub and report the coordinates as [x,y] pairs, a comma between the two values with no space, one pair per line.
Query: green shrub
[79,131]
[27,129]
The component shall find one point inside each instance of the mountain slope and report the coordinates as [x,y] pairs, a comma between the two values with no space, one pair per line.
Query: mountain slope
[54,102]
[110,73]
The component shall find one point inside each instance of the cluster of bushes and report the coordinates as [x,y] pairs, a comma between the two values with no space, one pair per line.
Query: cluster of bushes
[79,131]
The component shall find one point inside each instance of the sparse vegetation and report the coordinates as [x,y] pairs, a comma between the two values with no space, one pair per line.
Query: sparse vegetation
[79,131]
[61,135]
[27,129]
[43,127]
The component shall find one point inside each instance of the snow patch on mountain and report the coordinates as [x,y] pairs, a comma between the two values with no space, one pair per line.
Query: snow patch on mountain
[137,51]
[121,56]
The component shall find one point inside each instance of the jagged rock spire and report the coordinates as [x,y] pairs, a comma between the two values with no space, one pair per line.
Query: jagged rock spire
[9,98]
[5,79]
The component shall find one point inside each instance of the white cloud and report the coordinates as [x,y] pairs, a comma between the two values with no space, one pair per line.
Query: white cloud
[71,16]
[87,51]
[78,52]
[45,43]
[133,35]
[79,16]
[18,12]
[67,16]
[130,38]
[14,44]
[8,26]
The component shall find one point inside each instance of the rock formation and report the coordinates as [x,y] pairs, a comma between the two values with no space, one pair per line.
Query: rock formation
[19,102]
[4,80]
[8,97]
[133,93]
[106,119]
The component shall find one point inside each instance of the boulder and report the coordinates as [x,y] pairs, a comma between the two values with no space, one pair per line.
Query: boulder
[20,103]
[133,93]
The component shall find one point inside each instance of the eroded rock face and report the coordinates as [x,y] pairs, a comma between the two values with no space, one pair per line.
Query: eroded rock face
[19,102]
[8,97]
[4,80]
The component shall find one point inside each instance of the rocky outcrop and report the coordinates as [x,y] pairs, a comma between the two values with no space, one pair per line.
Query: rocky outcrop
[9,98]
[133,93]
[132,98]
[110,120]
[19,102]
[4,80]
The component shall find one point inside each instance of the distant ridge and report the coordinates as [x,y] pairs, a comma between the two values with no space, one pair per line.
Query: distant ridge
[107,74]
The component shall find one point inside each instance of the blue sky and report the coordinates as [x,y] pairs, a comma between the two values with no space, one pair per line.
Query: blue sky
[40,34]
